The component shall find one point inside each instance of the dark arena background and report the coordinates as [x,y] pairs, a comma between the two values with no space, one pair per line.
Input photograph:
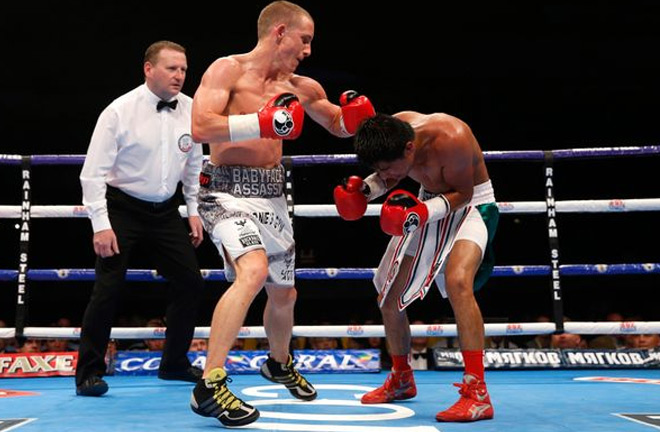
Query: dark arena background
[525,76]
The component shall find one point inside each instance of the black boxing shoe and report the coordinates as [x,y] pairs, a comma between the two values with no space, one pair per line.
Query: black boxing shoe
[190,374]
[92,386]
[285,373]
[212,398]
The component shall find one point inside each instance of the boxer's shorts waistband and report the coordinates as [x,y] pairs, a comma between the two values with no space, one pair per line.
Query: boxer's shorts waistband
[243,181]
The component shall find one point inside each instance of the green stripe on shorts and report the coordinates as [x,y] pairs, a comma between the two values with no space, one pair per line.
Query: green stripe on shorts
[491,217]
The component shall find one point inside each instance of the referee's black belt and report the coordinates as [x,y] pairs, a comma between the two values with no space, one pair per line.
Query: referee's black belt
[113,192]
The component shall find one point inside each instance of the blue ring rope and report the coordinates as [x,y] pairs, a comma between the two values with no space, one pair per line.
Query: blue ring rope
[339,159]
[346,273]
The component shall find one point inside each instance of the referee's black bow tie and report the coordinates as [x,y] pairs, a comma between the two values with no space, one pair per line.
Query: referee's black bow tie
[162,104]
[417,356]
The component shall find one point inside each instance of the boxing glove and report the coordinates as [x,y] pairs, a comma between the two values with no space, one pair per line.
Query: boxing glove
[354,110]
[402,213]
[280,118]
[350,200]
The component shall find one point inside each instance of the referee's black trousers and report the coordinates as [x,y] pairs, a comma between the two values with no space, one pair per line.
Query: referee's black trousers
[159,226]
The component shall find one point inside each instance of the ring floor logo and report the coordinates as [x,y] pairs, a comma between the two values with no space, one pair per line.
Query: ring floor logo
[342,414]
[645,419]
[9,424]
[15,393]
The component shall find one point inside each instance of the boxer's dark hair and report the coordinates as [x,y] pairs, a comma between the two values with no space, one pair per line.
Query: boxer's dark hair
[382,138]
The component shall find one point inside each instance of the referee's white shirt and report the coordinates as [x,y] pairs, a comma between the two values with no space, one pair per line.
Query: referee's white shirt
[143,152]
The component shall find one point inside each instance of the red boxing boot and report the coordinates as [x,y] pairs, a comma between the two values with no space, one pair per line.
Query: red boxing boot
[474,403]
[398,386]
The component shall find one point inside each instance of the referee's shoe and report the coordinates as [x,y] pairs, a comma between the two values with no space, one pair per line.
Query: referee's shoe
[212,398]
[92,386]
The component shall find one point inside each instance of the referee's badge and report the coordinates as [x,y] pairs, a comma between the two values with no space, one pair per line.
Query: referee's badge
[185,143]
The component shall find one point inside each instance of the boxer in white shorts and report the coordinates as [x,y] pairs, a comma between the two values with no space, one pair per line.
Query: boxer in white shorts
[444,236]
[246,105]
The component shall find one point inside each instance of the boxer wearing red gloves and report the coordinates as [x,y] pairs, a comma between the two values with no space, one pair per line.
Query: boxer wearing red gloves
[443,235]
[244,107]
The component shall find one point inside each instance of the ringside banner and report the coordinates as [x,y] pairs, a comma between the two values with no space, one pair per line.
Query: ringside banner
[249,362]
[23,365]
[553,358]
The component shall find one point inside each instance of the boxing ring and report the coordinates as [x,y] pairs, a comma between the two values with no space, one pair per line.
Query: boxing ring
[540,400]
[524,401]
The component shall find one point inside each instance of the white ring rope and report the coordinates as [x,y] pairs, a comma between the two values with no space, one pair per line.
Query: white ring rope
[329,210]
[362,331]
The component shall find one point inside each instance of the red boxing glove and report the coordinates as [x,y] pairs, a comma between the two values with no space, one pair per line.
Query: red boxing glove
[282,117]
[402,213]
[354,110]
[351,202]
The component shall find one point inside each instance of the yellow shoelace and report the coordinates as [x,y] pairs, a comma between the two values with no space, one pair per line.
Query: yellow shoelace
[224,396]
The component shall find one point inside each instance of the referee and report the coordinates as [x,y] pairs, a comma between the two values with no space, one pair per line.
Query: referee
[140,150]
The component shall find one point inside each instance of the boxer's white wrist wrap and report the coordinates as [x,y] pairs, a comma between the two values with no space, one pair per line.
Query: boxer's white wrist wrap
[376,187]
[438,207]
[243,127]
[343,127]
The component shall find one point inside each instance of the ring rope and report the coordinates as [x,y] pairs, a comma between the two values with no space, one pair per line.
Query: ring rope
[615,205]
[146,275]
[329,210]
[363,331]
[333,159]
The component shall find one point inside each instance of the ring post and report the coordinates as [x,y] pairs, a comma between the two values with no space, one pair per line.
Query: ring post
[553,242]
[22,286]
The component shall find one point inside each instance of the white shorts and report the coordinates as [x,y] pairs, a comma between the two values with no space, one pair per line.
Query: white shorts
[429,246]
[238,225]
